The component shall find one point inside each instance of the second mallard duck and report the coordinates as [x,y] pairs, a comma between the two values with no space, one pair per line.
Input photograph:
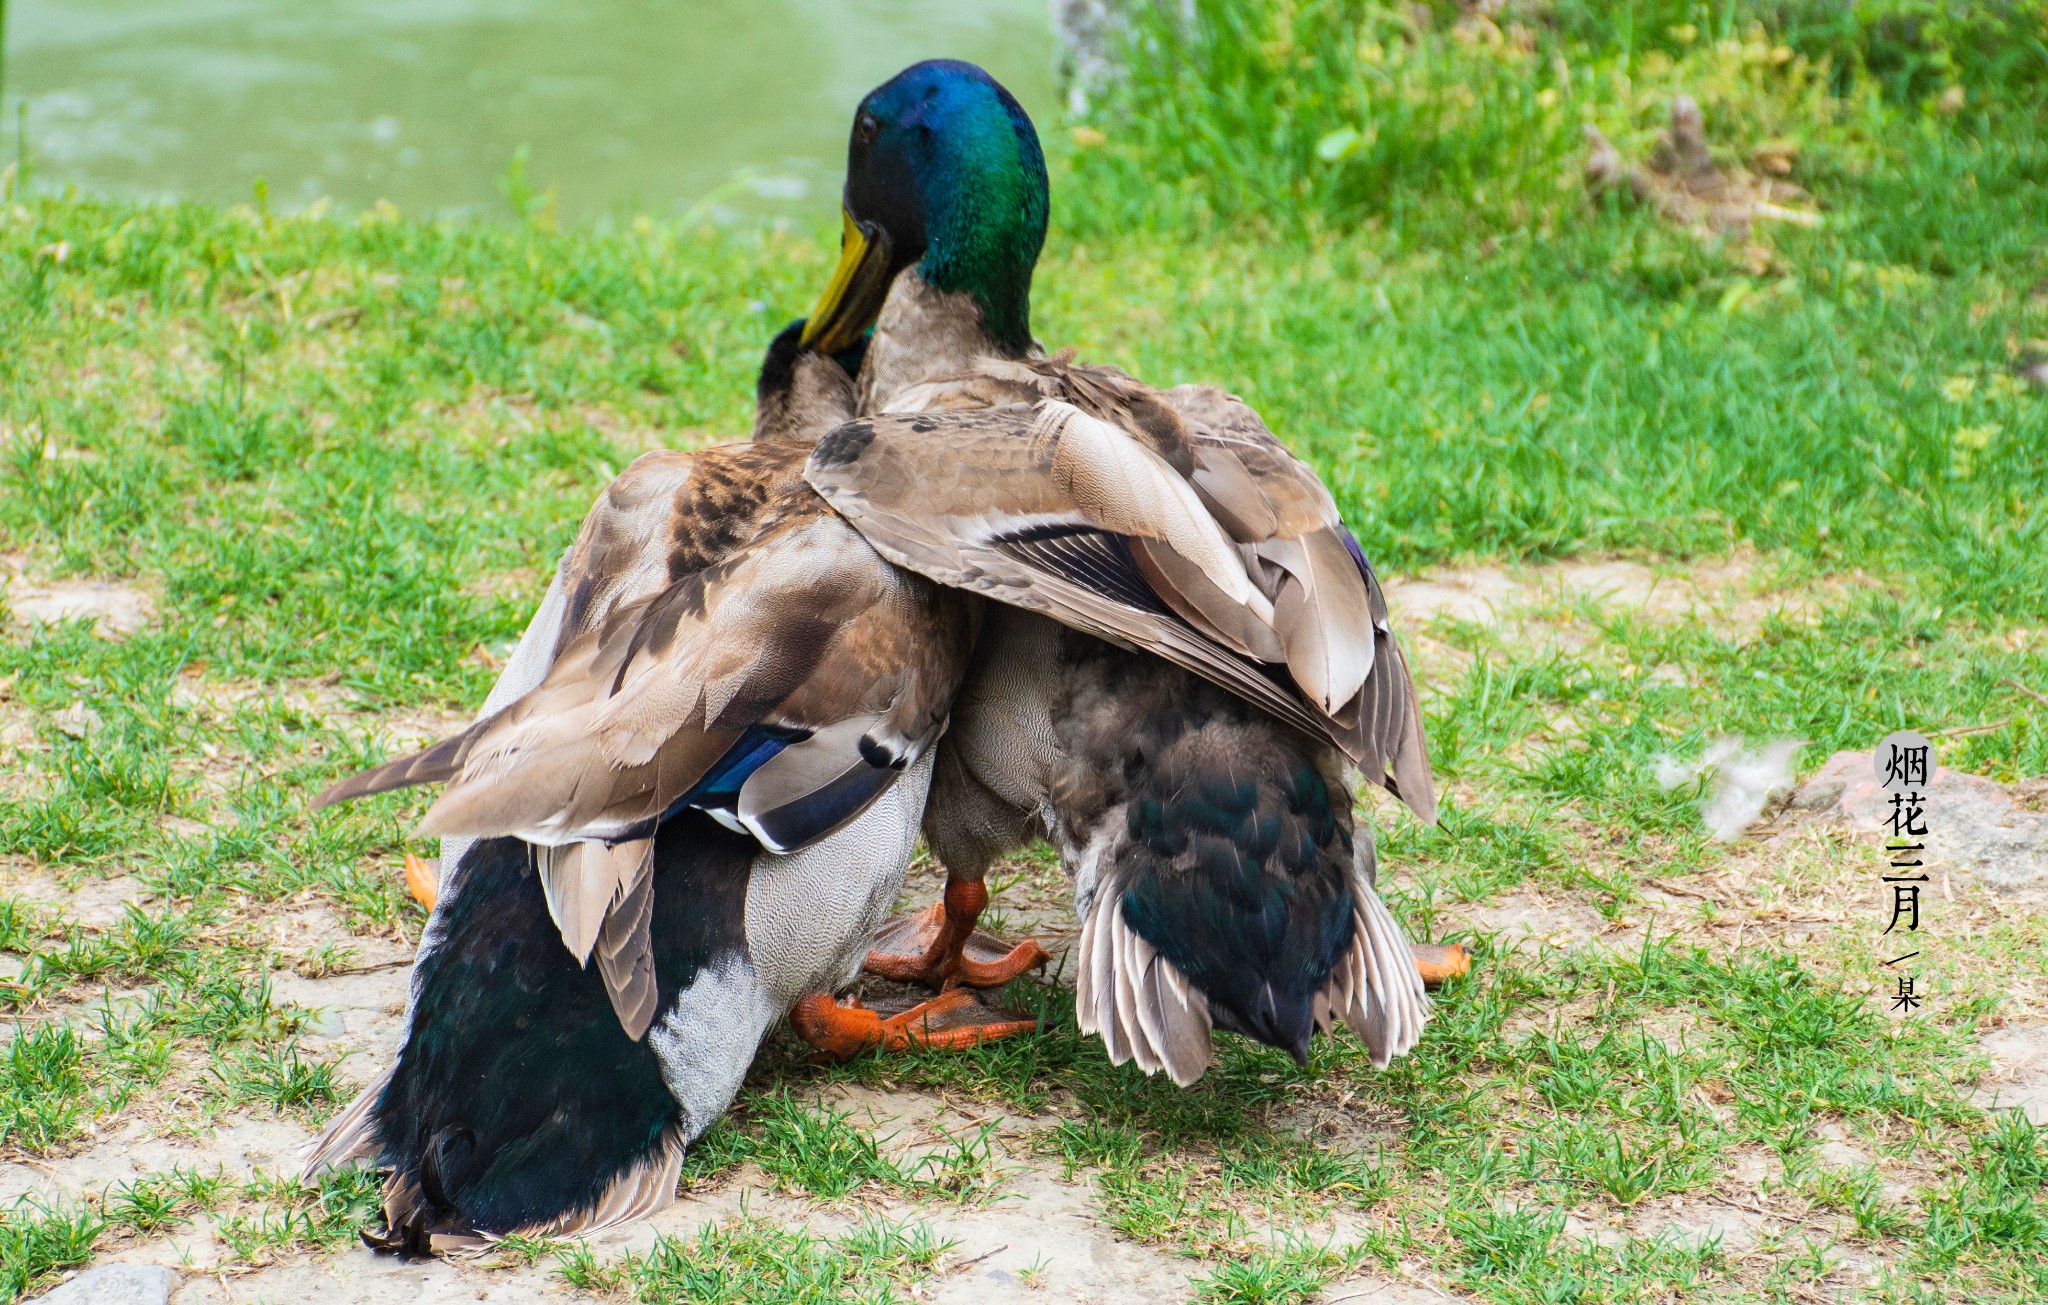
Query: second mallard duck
[1208,827]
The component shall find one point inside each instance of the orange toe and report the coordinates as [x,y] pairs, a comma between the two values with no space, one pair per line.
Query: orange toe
[940,947]
[840,1032]
[906,943]
[953,1020]
[1441,964]
[423,881]
[1026,955]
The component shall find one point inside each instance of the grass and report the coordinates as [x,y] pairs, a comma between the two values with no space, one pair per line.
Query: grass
[338,454]
[811,1148]
[754,1260]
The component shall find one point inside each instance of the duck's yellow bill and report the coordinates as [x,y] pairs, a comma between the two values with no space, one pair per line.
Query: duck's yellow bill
[853,298]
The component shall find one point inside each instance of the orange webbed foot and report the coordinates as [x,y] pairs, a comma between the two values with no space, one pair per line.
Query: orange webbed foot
[423,881]
[953,1020]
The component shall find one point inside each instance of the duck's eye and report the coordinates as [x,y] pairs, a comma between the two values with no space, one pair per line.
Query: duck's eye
[865,127]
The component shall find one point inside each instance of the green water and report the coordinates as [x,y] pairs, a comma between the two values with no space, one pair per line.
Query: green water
[731,107]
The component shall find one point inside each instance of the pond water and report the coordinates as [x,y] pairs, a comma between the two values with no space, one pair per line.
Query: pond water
[734,107]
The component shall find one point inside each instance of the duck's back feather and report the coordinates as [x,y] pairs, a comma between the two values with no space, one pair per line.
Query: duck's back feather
[1173,523]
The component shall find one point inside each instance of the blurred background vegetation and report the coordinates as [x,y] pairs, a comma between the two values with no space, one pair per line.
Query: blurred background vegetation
[1330,113]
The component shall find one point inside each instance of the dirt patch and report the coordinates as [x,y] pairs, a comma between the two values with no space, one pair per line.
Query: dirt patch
[240,1145]
[91,902]
[1699,1220]
[1372,1289]
[1524,919]
[1733,592]
[116,610]
[361,1277]
[1048,1243]
[359,1013]
[221,699]
[2019,1071]
[1838,1150]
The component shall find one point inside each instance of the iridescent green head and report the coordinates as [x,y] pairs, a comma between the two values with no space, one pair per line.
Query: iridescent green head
[943,173]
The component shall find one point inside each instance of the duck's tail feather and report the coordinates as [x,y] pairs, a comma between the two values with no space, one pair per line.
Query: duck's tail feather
[643,1190]
[1141,1005]
[434,765]
[1375,989]
[625,947]
[349,1136]
[417,1224]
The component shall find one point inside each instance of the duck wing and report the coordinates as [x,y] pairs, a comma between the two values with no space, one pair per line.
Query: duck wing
[1053,511]
[781,683]
[1331,610]
[1108,511]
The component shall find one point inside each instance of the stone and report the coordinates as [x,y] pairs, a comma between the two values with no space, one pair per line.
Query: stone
[1977,830]
[116,1284]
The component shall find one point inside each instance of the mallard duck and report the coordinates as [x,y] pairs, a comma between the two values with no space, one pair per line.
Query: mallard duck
[1219,876]
[703,772]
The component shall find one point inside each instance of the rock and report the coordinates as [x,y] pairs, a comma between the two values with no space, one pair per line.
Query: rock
[1976,829]
[1818,796]
[116,1284]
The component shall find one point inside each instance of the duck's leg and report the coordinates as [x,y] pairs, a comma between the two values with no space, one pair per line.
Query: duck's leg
[953,1020]
[940,947]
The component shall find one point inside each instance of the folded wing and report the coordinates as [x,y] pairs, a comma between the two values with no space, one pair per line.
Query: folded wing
[780,682]
[1340,643]
[1171,522]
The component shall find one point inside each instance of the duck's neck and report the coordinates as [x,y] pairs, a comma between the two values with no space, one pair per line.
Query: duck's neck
[925,332]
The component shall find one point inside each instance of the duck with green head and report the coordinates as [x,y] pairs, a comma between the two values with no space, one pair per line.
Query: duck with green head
[1191,649]
[944,216]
